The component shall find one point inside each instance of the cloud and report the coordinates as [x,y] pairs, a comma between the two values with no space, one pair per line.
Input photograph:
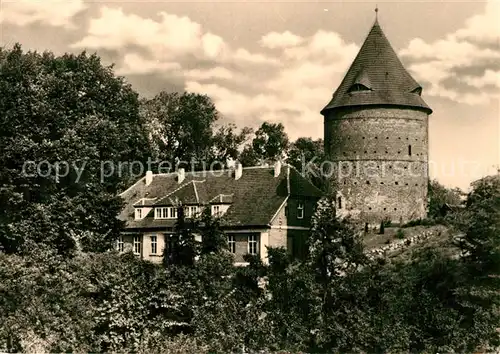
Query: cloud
[114,30]
[54,13]
[290,83]
[136,64]
[274,40]
[469,49]
[290,80]
[483,28]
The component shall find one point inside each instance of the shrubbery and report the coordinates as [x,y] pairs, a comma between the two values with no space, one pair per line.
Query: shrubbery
[336,300]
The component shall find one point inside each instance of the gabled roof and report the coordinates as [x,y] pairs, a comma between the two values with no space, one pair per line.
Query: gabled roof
[255,197]
[382,76]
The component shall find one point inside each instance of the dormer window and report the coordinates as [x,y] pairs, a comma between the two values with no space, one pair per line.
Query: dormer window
[138,213]
[300,210]
[358,87]
[191,211]
[219,209]
[166,213]
[418,91]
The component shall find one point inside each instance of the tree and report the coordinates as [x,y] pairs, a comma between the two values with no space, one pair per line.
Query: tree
[182,248]
[226,142]
[66,123]
[180,125]
[270,144]
[182,128]
[335,250]
[307,156]
[304,151]
[439,195]
[213,238]
[290,306]
[249,157]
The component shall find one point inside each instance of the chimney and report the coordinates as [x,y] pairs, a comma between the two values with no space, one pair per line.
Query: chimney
[149,177]
[277,168]
[181,174]
[238,170]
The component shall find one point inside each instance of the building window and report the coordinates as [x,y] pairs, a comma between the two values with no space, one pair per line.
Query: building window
[231,242]
[138,213]
[137,244]
[300,210]
[215,209]
[120,244]
[193,211]
[166,213]
[409,150]
[252,244]
[339,201]
[154,244]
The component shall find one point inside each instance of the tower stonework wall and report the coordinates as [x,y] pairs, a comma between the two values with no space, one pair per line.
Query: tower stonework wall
[380,159]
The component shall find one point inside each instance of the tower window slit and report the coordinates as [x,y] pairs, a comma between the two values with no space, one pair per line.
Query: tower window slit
[409,150]
[339,200]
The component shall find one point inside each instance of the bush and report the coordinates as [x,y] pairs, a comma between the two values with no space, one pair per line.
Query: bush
[421,222]
[400,234]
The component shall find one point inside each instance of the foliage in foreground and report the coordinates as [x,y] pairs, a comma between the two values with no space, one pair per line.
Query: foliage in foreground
[334,301]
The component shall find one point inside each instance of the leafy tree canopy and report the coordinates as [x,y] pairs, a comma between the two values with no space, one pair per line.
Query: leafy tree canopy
[74,111]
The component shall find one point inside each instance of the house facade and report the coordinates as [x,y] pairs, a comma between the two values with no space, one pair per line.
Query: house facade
[257,206]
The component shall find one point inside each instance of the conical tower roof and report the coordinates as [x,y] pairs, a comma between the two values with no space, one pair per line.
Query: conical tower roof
[377,77]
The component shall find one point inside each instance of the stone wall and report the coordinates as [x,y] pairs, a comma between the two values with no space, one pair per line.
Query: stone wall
[402,244]
[379,157]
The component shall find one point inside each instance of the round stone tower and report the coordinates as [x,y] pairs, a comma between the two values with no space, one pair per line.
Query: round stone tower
[376,136]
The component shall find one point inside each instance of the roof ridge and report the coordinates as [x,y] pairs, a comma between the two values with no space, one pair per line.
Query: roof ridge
[196,192]
[210,171]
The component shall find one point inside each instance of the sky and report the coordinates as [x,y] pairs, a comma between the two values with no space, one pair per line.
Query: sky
[281,61]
